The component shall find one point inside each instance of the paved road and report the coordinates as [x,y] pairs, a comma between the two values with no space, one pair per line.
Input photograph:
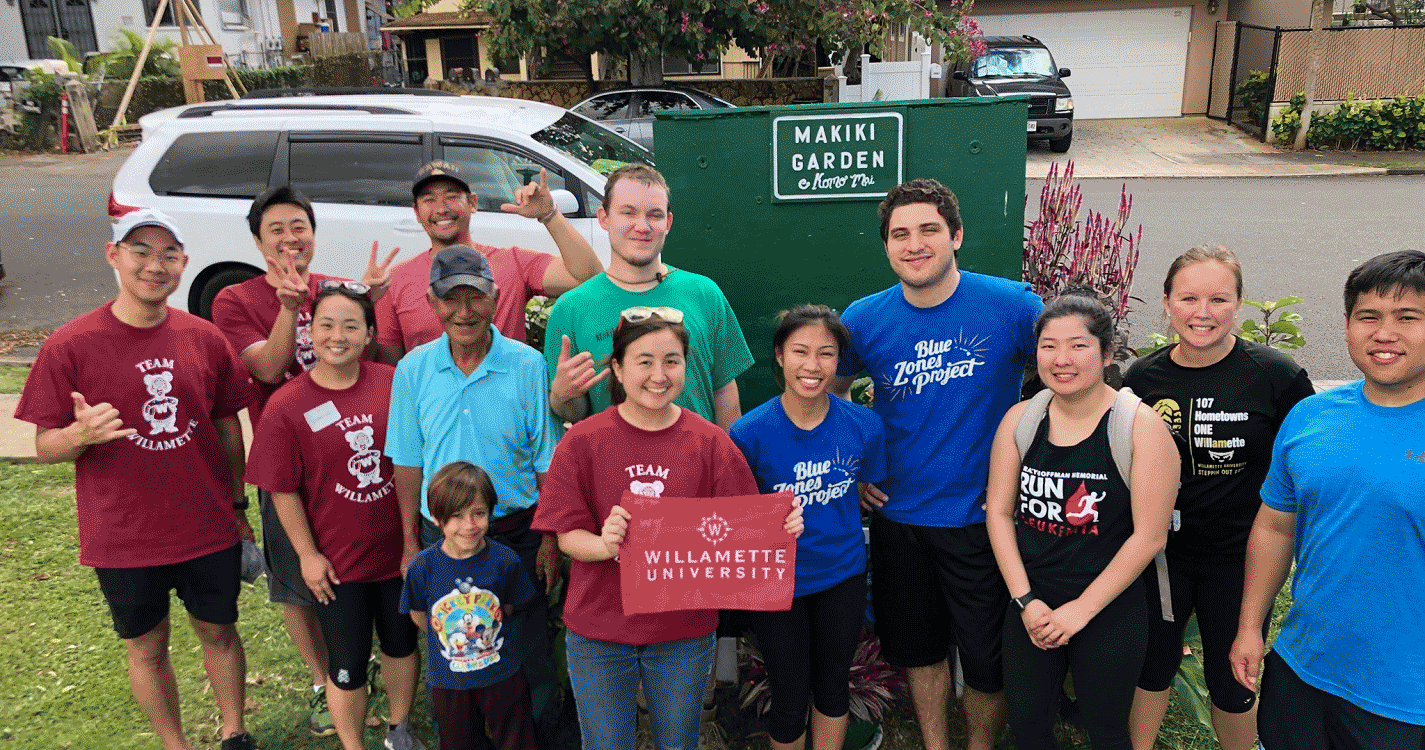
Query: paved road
[1296,236]
[53,225]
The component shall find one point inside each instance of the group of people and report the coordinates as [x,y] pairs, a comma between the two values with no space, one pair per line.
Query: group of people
[443,494]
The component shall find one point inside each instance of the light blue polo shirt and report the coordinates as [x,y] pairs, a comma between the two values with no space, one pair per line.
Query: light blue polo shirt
[497,417]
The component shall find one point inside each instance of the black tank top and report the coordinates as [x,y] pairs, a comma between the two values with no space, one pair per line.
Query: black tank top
[1073,512]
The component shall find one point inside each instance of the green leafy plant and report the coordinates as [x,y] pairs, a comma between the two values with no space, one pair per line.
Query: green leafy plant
[1190,682]
[1278,329]
[162,58]
[1255,93]
[1374,124]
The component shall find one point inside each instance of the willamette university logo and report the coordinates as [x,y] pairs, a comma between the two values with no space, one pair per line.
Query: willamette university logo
[714,528]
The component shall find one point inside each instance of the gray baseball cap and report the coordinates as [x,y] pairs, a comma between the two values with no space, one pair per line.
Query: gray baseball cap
[459,265]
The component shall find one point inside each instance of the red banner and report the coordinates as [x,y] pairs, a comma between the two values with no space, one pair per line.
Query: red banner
[707,553]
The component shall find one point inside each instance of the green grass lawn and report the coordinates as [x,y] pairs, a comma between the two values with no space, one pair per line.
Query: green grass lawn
[67,686]
[12,378]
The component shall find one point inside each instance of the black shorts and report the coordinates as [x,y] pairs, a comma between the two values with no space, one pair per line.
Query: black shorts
[285,584]
[346,624]
[1297,716]
[933,588]
[1214,592]
[207,585]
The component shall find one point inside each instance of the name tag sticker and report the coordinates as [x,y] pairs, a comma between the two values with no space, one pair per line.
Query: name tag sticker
[323,416]
[1177,523]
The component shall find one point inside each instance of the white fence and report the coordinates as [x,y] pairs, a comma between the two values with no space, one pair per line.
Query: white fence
[887,81]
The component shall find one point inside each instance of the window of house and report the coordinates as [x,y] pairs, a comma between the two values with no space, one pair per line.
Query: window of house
[677,66]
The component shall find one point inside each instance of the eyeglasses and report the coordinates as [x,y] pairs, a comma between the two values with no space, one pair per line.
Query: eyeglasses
[640,314]
[143,254]
[355,287]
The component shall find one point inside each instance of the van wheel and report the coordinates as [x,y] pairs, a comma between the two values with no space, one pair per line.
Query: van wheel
[216,283]
[1060,145]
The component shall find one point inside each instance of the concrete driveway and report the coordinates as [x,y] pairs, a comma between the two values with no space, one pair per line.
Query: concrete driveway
[1190,146]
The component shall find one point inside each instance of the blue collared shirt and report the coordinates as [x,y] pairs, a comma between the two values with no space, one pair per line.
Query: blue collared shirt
[497,417]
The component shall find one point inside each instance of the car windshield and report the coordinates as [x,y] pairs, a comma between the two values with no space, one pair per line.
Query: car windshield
[598,147]
[1014,63]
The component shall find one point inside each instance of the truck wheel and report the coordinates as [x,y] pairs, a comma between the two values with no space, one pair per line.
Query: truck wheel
[220,280]
[1060,145]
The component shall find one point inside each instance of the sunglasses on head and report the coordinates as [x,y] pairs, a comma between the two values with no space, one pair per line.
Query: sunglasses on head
[640,314]
[355,287]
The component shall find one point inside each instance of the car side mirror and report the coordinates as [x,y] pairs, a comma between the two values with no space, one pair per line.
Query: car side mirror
[1063,72]
[959,75]
[564,201]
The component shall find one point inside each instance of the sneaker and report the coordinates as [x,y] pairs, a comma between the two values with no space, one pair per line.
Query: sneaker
[399,737]
[240,742]
[321,716]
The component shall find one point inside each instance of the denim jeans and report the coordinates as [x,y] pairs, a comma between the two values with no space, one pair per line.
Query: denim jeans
[605,679]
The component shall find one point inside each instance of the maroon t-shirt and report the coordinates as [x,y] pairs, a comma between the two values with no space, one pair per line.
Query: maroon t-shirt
[163,495]
[597,461]
[403,315]
[326,445]
[246,312]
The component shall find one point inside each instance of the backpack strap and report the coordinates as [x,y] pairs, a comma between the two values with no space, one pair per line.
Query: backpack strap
[1120,445]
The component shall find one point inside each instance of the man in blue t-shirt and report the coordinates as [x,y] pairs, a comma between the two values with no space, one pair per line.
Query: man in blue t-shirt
[1342,500]
[946,350]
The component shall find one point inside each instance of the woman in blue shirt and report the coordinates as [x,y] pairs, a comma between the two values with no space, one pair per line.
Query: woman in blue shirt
[817,447]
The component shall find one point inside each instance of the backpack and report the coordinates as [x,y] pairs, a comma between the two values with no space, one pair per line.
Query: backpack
[1120,445]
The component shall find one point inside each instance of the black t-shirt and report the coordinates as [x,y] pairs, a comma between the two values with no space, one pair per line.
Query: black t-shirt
[1073,513]
[1228,414]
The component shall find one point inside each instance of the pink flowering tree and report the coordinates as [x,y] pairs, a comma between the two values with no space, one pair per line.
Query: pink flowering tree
[782,32]
[791,29]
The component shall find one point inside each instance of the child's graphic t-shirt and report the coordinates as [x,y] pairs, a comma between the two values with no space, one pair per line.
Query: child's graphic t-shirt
[465,644]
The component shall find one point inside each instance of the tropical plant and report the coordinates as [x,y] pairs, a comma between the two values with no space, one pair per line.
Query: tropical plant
[162,59]
[1379,124]
[874,682]
[1061,252]
[1255,94]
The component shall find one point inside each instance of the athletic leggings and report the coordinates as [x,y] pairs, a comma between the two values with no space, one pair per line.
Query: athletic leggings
[1105,659]
[808,652]
[346,624]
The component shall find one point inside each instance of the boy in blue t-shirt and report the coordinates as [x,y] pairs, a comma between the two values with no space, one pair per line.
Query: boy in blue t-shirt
[460,592]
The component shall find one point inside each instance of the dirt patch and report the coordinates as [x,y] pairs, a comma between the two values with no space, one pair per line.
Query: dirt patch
[12,340]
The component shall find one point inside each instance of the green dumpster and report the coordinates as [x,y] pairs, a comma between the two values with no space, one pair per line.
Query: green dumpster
[778,204]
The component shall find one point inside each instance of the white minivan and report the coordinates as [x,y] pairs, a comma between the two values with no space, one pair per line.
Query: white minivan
[356,156]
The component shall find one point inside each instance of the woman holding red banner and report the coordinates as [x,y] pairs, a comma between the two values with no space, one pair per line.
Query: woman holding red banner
[819,448]
[646,444]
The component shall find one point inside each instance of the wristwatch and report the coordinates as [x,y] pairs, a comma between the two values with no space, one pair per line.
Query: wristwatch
[1023,601]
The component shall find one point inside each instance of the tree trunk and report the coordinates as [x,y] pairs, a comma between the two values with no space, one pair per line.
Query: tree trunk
[1319,20]
[645,68]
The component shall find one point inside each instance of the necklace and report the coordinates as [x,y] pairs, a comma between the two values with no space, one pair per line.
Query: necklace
[657,278]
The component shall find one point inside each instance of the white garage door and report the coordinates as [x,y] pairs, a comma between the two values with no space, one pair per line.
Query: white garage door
[1125,63]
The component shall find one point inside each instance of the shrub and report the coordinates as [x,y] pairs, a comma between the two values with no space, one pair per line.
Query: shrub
[1372,124]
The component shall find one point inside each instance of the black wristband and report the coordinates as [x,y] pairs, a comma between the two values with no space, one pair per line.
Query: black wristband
[244,505]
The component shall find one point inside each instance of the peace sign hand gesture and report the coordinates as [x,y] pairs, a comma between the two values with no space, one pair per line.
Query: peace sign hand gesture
[378,275]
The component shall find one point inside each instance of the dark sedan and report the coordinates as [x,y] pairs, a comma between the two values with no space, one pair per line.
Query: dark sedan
[629,111]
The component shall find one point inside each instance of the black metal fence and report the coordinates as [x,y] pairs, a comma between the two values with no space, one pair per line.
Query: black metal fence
[1255,53]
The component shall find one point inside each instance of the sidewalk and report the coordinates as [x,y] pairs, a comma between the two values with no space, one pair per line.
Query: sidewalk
[1194,146]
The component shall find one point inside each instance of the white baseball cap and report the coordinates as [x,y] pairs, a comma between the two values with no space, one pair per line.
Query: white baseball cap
[145,217]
